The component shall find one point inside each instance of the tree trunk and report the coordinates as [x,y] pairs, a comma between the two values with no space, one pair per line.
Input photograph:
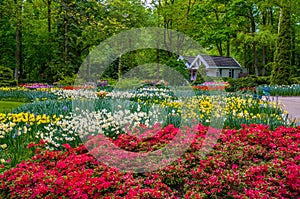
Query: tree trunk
[66,38]
[228,48]
[157,44]
[219,43]
[264,48]
[255,59]
[271,17]
[270,51]
[219,46]
[248,57]
[245,56]
[158,64]
[49,15]
[253,28]
[18,52]
[119,68]
[263,69]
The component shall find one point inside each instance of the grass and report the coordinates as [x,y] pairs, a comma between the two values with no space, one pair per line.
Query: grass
[8,106]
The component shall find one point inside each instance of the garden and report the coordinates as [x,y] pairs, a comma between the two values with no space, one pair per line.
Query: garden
[142,99]
[49,143]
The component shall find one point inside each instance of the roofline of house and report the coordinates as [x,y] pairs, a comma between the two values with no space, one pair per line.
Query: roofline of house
[189,66]
[221,67]
[236,61]
[203,61]
[181,57]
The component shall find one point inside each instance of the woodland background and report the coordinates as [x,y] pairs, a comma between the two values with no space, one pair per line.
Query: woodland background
[47,40]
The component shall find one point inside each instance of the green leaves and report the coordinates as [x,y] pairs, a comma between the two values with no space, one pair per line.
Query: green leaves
[56,35]
[282,58]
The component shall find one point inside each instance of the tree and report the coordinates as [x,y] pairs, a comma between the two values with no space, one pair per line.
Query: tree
[282,58]
[7,35]
[46,40]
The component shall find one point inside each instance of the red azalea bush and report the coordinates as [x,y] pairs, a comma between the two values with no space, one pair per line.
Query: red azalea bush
[253,162]
[76,174]
[140,147]
[149,140]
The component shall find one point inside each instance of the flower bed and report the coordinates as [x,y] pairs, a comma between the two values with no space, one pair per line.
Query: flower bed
[253,162]
[255,156]
[58,122]
[25,94]
[35,85]
[282,90]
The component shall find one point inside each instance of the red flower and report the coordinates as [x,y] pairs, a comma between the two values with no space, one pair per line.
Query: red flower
[66,146]
[61,165]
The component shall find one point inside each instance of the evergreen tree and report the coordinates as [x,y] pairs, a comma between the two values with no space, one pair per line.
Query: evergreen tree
[281,70]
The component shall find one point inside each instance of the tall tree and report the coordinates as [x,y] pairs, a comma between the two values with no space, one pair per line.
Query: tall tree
[18,52]
[282,58]
[7,34]
[295,28]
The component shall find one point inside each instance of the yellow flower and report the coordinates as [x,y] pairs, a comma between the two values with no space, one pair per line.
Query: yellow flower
[2,161]
[3,146]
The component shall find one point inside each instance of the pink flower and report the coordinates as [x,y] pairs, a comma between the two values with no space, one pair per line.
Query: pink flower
[66,146]
[61,165]
[234,167]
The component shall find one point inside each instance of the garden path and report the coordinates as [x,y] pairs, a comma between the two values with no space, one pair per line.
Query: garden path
[292,105]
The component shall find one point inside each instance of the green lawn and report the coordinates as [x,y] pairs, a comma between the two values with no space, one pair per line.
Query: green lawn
[7,106]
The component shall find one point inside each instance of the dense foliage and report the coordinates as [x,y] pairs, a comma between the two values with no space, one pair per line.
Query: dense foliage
[281,71]
[245,82]
[6,77]
[47,40]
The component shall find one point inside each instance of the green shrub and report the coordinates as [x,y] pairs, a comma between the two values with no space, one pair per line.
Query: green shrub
[67,80]
[127,83]
[246,82]
[263,80]
[6,77]
[295,80]
[110,81]
[199,79]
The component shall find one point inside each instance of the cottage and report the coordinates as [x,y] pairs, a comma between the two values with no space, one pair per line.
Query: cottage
[215,66]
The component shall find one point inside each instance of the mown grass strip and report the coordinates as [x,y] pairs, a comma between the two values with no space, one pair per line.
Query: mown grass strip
[8,106]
